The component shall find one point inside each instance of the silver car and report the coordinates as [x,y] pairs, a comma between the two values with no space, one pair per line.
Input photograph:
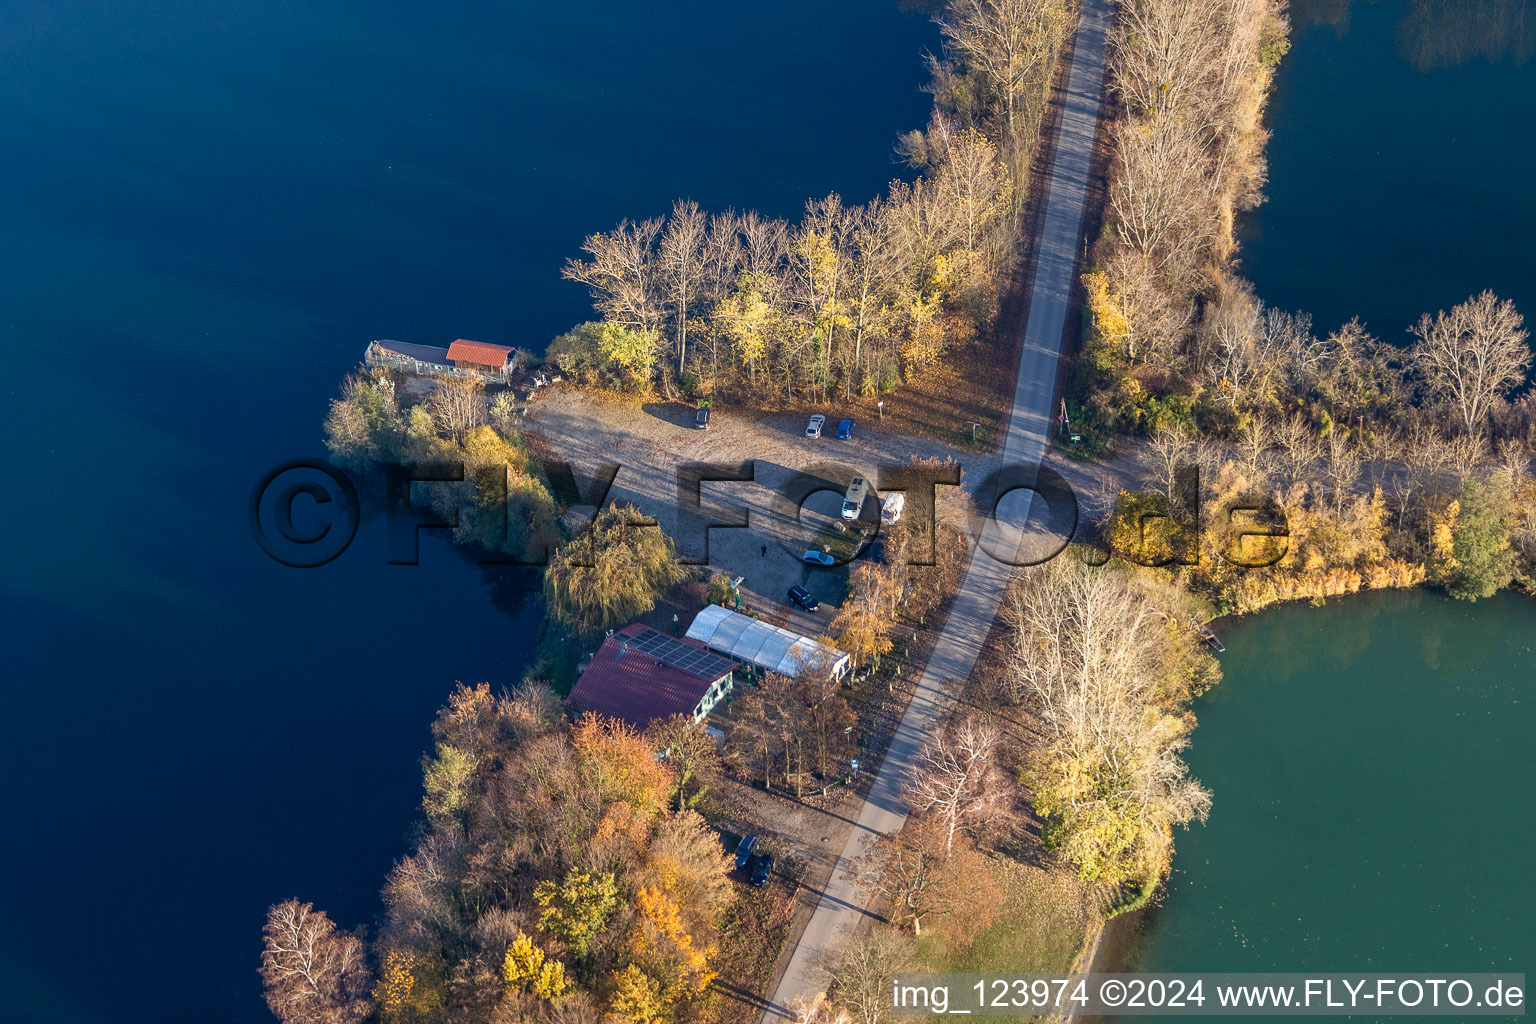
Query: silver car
[813,428]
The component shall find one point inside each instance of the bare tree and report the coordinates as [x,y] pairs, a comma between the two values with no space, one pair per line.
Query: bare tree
[1465,454]
[828,721]
[911,872]
[956,778]
[1291,352]
[1156,321]
[419,890]
[1167,53]
[1299,449]
[1253,444]
[1426,455]
[1343,468]
[861,968]
[1229,338]
[313,973]
[1514,459]
[1009,44]
[682,267]
[1172,449]
[622,275]
[575,1007]
[1089,650]
[817,1010]
[975,182]
[1157,194]
[1472,356]
[1382,447]
[458,406]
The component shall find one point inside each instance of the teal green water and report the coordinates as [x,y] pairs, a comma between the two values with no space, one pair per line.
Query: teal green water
[1369,760]
[1370,766]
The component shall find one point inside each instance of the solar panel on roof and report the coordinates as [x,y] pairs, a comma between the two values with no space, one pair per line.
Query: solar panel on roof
[686,657]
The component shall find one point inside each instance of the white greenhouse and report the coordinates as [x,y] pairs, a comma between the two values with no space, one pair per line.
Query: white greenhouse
[766,647]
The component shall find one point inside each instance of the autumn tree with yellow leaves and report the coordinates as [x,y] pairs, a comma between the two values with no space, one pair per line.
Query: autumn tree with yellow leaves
[527,969]
[577,908]
[850,299]
[554,874]
[862,625]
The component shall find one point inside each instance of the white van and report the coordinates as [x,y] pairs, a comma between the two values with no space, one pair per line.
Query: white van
[890,512]
[853,501]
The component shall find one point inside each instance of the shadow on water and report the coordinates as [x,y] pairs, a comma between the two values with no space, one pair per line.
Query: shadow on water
[1439,34]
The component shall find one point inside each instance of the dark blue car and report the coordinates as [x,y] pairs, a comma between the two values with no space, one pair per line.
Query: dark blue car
[762,870]
[745,849]
[845,429]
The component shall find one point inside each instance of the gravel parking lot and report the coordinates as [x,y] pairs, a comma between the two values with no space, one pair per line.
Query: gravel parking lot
[652,443]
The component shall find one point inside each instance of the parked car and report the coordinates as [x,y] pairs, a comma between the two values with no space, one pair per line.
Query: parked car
[745,849]
[853,499]
[814,557]
[762,870]
[890,512]
[701,418]
[804,598]
[845,429]
[813,428]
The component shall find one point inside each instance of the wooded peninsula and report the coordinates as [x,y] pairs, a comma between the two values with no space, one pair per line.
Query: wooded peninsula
[562,872]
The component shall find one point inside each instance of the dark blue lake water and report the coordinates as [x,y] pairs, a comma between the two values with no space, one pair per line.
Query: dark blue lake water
[1399,166]
[206,211]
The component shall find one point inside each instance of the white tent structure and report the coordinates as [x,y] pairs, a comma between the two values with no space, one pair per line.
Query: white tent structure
[767,647]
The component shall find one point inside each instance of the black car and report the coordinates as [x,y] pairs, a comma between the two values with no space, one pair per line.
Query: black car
[804,598]
[701,418]
[745,849]
[761,870]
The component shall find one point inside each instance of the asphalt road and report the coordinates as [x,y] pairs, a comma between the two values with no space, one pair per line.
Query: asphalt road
[843,904]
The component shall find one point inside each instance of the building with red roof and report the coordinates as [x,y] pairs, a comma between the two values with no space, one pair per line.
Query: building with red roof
[464,359]
[640,676]
[479,355]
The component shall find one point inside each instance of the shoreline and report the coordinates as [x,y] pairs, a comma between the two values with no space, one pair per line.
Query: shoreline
[1118,942]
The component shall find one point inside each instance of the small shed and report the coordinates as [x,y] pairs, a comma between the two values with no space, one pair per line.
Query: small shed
[767,647]
[422,360]
[641,675]
[481,356]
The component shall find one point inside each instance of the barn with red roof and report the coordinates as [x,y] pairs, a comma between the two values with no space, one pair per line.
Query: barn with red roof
[479,355]
[640,675]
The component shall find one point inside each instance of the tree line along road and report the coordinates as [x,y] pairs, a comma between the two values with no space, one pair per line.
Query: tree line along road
[842,904]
